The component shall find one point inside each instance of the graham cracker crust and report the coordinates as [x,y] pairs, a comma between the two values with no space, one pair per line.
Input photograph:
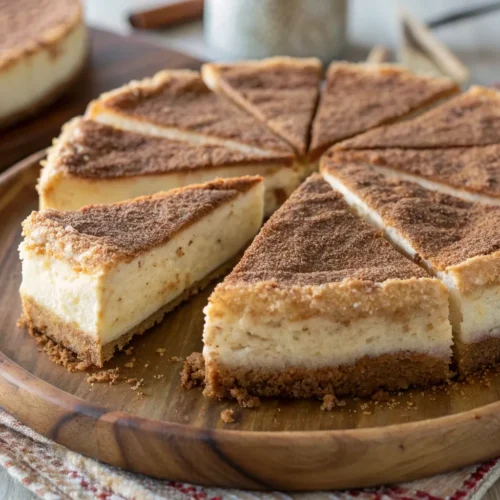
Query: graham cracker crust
[391,372]
[39,320]
[477,355]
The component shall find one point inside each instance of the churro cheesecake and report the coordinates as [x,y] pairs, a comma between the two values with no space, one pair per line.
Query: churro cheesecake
[281,92]
[358,97]
[470,119]
[94,278]
[322,304]
[455,240]
[42,49]
[471,173]
[93,163]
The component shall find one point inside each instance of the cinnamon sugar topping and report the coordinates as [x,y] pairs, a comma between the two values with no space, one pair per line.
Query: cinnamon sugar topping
[315,239]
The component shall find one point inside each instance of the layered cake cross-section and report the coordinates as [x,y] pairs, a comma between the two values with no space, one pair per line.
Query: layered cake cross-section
[469,119]
[358,97]
[92,163]
[321,303]
[281,92]
[455,240]
[94,278]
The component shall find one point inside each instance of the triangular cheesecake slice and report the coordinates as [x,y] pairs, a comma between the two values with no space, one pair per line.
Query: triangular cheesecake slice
[322,304]
[456,240]
[470,119]
[471,173]
[176,104]
[358,97]
[281,92]
[94,163]
[94,278]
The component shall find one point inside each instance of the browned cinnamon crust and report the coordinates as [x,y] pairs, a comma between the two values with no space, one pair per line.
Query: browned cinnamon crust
[357,97]
[390,372]
[315,239]
[477,355]
[181,100]
[443,229]
[282,92]
[470,119]
[40,320]
[98,151]
[26,25]
[102,235]
[474,169]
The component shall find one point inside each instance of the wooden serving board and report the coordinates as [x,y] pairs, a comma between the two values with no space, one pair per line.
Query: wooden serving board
[172,433]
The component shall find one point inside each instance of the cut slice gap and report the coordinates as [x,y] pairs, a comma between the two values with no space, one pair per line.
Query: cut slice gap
[281,92]
[358,97]
[453,239]
[470,119]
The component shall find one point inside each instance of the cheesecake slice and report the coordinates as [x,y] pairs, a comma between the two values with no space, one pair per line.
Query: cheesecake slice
[93,163]
[456,240]
[43,48]
[471,173]
[470,119]
[94,278]
[176,104]
[322,304]
[281,92]
[358,97]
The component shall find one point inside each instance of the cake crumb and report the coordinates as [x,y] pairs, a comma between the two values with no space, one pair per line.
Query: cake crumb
[175,359]
[381,396]
[193,371]
[130,364]
[329,402]
[227,416]
[129,351]
[244,399]
[161,351]
[111,375]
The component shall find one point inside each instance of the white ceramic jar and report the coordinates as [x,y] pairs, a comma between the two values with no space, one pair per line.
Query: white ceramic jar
[245,29]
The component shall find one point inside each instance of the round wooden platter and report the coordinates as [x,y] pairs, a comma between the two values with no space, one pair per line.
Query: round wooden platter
[171,433]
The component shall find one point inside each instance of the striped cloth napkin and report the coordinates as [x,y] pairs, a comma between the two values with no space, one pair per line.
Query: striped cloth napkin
[55,473]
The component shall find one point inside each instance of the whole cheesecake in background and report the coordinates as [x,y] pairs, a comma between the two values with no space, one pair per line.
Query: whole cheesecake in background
[42,49]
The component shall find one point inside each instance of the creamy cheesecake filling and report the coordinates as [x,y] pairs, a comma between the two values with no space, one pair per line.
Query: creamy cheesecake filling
[276,342]
[99,113]
[37,74]
[105,306]
[474,316]
[65,192]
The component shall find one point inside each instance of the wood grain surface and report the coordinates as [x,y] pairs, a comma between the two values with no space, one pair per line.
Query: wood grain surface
[178,434]
[113,61]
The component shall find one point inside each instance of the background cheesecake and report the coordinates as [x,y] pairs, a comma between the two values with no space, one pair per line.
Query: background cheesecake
[43,47]
[94,278]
